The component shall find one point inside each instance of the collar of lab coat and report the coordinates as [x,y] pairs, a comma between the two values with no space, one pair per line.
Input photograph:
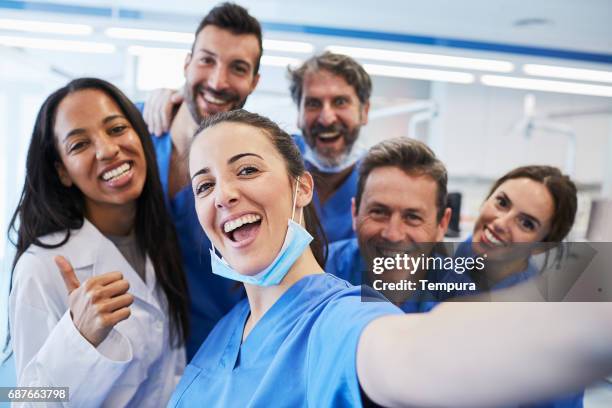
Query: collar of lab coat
[88,247]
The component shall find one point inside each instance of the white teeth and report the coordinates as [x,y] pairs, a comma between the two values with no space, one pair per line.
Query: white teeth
[212,99]
[491,238]
[239,222]
[328,135]
[116,172]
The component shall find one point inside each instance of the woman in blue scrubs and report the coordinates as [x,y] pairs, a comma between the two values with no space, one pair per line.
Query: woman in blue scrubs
[528,205]
[525,209]
[306,338]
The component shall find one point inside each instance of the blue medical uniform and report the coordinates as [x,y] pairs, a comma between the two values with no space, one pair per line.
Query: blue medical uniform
[465,250]
[211,296]
[301,353]
[345,261]
[335,213]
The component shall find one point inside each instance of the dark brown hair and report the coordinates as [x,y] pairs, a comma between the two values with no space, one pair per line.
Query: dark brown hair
[235,19]
[338,64]
[409,155]
[562,190]
[290,153]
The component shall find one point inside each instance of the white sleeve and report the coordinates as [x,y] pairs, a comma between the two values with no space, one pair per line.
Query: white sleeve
[49,350]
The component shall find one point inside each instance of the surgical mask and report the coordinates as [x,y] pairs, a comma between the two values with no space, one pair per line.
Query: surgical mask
[296,241]
[356,153]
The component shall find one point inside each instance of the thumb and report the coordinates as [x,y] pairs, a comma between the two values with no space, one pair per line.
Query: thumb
[176,97]
[70,279]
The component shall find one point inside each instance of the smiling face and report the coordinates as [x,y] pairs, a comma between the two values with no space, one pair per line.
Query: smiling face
[397,213]
[243,194]
[219,75]
[100,152]
[519,211]
[330,115]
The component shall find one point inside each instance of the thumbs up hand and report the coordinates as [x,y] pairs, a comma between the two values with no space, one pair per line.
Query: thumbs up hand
[97,305]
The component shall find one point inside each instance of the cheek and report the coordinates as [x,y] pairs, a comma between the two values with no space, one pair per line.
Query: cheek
[205,216]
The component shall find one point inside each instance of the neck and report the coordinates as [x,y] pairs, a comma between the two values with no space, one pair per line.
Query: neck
[261,298]
[112,220]
[329,182]
[182,128]
[497,271]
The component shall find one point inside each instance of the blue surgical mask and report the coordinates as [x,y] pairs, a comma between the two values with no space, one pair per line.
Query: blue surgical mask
[312,157]
[296,241]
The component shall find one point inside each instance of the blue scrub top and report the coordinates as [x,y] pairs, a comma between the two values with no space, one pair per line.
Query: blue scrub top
[570,401]
[211,296]
[345,261]
[301,353]
[335,214]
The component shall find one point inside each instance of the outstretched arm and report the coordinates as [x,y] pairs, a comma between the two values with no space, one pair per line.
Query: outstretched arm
[485,354]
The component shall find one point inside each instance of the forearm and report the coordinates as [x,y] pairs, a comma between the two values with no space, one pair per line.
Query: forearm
[485,354]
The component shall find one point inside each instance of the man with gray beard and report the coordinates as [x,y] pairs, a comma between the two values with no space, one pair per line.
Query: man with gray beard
[332,93]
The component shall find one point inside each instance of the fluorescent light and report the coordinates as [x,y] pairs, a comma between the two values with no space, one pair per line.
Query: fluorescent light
[275,61]
[45,27]
[568,73]
[288,46]
[419,73]
[57,45]
[546,86]
[437,60]
[157,51]
[149,35]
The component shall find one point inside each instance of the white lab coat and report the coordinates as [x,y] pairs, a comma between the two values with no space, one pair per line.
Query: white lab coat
[133,366]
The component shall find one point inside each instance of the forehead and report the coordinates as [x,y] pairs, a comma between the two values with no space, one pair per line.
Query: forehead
[83,108]
[529,196]
[325,83]
[215,145]
[227,45]
[392,187]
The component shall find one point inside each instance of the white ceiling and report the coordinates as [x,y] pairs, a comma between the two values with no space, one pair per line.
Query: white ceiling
[583,25]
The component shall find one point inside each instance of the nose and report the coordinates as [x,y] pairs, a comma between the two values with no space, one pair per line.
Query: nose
[327,116]
[226,195]
[106,148]
[501,224]
[218,78]
[393,230]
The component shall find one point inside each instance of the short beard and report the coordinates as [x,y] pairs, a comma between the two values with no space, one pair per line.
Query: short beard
[333,161]
[192,106]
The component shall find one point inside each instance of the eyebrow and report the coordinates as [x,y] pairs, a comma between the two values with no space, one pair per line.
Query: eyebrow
[79,131]
[238,60]
[233,159]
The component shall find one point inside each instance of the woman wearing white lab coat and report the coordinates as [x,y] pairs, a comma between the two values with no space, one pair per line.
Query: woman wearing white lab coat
[98,298]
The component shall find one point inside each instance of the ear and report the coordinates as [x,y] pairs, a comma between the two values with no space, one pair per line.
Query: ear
[354,214]
[365,109]
[305,191]
[255,82]
[62,173]
[443,224]
[186,63]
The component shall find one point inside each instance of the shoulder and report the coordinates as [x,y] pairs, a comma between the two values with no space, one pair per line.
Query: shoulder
[300,142]
[341,257]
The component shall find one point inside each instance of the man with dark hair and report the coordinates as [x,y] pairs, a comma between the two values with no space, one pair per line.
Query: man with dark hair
[399,208]
[332,93]
[220,72]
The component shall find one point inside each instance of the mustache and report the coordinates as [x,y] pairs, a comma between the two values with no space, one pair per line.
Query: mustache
[317,129]
[224,94]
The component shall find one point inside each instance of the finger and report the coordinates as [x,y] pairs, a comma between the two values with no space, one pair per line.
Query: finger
[111,319]
[103,280]
[115,303]
[101,293]
[177,97]
[70,279]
